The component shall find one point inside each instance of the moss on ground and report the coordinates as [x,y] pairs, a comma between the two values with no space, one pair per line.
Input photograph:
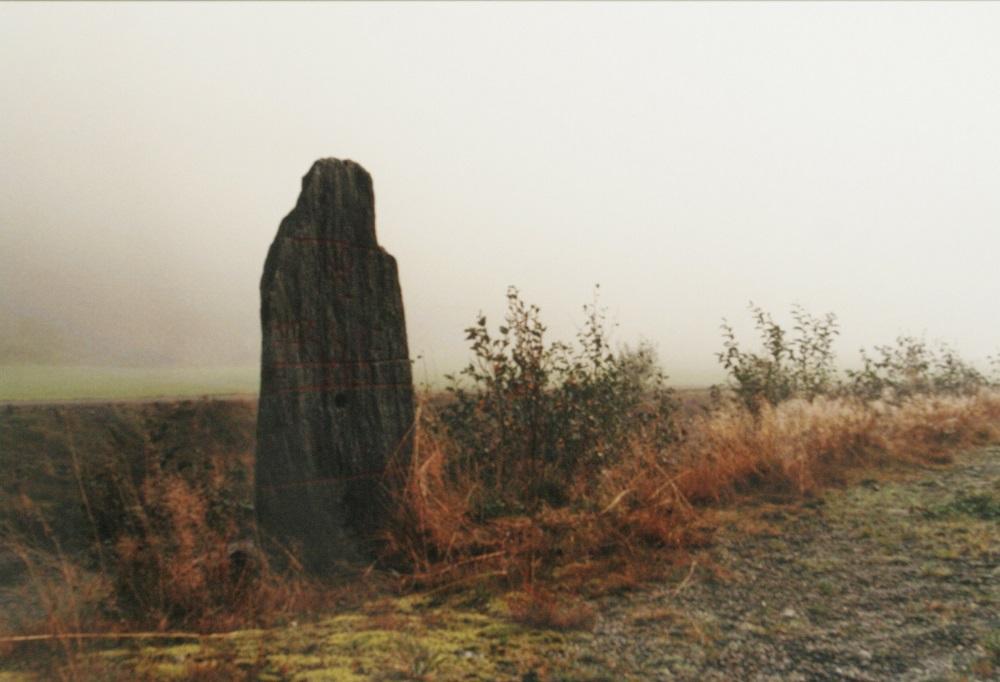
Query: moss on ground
[406,641]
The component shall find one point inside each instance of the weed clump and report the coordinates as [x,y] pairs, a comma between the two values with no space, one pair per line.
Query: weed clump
[171,564]
[542,608]
[163,538]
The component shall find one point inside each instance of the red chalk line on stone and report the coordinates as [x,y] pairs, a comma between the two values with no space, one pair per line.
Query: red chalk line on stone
[341,242]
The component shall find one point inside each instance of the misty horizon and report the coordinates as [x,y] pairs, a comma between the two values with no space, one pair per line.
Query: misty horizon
[687,158]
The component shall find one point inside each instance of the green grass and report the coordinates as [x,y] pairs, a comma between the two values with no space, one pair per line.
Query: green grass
[38,382]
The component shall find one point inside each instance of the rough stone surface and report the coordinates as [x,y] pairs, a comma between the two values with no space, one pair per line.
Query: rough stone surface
[336,394]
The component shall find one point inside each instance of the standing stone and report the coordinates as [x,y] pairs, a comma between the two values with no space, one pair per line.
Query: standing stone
[336,393]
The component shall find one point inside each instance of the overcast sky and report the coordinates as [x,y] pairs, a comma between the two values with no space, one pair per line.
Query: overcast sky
[688,157]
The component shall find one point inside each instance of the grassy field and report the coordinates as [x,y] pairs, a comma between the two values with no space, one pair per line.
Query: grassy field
[47,383]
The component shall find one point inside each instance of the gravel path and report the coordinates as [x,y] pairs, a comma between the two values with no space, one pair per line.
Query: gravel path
[883,581]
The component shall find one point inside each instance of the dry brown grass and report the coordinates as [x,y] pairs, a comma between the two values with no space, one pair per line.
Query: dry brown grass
[802,447]
[174,564]
[640,516]
[542,608]
[169,567]
[647,500]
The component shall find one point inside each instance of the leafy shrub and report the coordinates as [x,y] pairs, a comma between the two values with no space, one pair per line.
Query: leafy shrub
[911,367]
[790,366]
[953,375]
[539,413]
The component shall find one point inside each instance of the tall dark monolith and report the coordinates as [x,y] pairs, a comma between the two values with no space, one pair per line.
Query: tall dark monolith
[336,393]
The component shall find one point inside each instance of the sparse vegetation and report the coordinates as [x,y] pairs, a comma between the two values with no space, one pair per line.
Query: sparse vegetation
[477,499]
[123,517]
[791,366]
[542,608]
[550,468]
[911,367]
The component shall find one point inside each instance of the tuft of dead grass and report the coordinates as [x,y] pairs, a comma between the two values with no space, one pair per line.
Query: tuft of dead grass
[541,608]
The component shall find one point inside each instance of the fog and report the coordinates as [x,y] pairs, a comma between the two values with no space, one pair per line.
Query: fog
[689,158]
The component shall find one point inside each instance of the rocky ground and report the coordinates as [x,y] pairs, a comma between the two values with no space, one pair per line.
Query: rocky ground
[895,578]
[882,581]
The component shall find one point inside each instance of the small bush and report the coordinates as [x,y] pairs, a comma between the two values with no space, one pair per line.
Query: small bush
[910,368]
[539,413]
[799,366]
